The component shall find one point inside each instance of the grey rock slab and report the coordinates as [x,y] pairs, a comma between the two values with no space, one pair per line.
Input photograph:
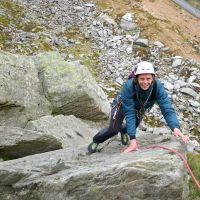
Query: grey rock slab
[191,79]
[73,174]
[181,83]
[127,23]
[194,103]
[168,86]
[22,97]
[70,88]
[68,130]
[104,18]
[159,44]
[195,85]
[128,17]
[17,142]
[177,62]
[161,131]
[189,92]
[142,42]
[119,81]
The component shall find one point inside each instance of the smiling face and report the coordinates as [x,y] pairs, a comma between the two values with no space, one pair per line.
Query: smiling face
[145,80]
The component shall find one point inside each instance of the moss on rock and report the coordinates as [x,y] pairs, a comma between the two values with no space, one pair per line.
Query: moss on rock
[153,122]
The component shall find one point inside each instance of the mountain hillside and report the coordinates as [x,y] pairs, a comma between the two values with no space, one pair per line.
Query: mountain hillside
[164,21]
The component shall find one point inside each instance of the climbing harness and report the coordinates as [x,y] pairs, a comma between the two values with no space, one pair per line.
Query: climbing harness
[140,113]
[118,108]
[181,157]
[118,105]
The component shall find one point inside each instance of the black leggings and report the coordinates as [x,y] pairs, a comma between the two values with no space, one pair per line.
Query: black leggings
[114,127]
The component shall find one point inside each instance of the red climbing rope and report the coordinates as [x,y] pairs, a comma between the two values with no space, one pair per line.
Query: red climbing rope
[181,157]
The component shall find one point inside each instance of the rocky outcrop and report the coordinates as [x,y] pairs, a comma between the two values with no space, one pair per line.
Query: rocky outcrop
[32,87]
[22,97]
[70,88]
[45,134]
[69,130]
[17,142]
[72,174]
[35,87]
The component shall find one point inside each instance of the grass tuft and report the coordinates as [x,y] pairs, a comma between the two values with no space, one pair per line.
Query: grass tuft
[194,163]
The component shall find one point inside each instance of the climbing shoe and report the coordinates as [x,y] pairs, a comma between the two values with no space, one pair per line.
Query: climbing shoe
[124,138]
[92,148]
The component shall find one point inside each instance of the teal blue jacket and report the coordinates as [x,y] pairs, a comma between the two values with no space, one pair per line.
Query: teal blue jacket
[131,105]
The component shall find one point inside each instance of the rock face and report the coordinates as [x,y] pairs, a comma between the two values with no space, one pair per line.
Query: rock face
[71,89]
[127,23]
[34,86]
[72,174]
[21,96]
[69,130]
[37,91]
[17,142]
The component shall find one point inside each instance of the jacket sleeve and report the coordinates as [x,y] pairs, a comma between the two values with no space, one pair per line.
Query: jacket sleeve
[128,106]
[166,107]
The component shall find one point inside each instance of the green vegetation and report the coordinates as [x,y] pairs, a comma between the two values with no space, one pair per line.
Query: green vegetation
[12,9]
[197,133]
[112,94]
[72,32]
[186,114]
[13,15]
[6,158]
[12,12]
[30,27]
[194,161]
[90,64]
[3,21]
[185,72]
[82,51]
[152,121]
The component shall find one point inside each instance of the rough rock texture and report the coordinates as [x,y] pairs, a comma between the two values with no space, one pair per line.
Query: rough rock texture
[17,142]
[70,88]
[69,130]
[34,86]
[72,174]
[78,29]
[22,97]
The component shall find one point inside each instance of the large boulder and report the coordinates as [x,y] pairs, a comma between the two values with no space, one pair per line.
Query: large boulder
[72,174]
[70,88]
[34,86]
[22,98]
[69,130]
[17,142]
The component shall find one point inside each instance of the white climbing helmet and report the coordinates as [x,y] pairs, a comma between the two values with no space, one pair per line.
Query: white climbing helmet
[144,67]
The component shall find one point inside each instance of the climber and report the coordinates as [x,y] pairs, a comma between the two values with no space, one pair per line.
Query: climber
[137,95]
